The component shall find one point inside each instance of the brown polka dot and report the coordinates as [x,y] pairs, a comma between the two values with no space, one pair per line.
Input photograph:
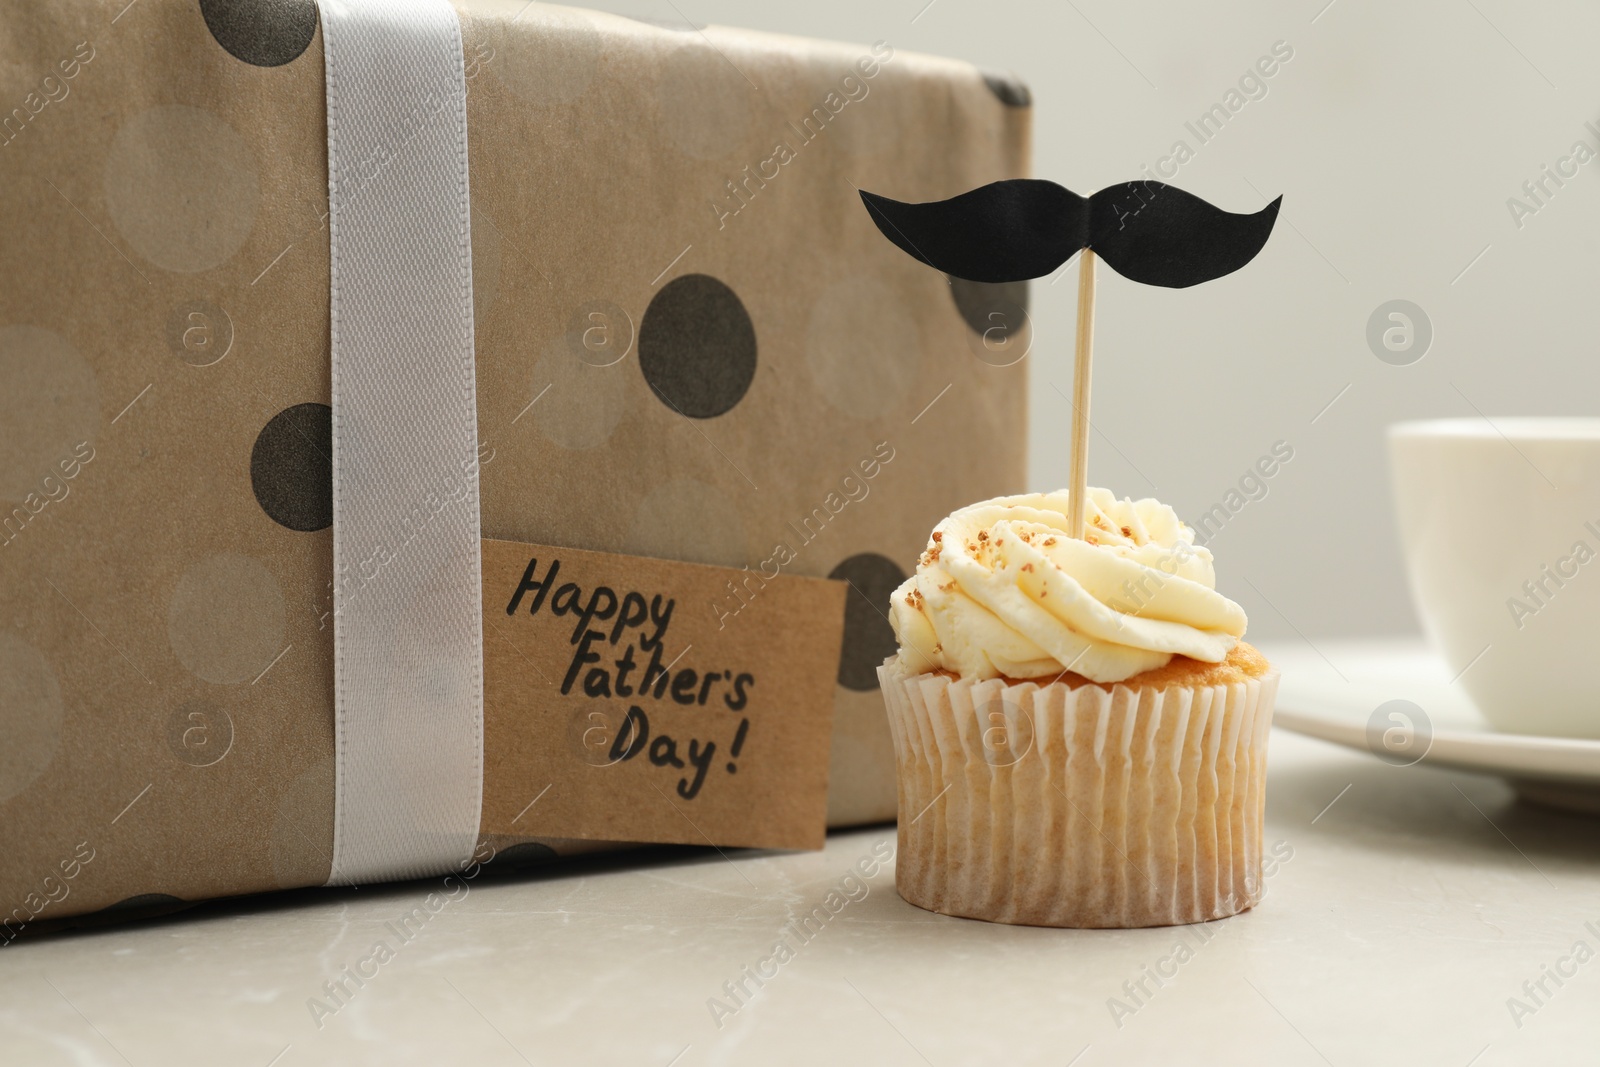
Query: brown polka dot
[181,187]
[704,105]
[226,618]
[996,313]
[688,520]
[302,828]
[697,346]
[291,467]
[868,637]
[549,61]
[49,405]
[1011,90]
[863,348]
[579,405]
[264,33]
[31,713]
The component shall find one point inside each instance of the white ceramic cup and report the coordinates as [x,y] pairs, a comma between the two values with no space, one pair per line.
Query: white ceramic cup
[1500,522]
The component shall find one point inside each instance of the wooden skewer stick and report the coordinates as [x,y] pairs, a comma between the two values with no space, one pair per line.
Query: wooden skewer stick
[1079,486]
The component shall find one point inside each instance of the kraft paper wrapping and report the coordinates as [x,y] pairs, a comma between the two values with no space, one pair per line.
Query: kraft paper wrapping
[165,567]
[1055,806]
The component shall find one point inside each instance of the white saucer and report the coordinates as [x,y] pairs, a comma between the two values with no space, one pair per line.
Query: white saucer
[1333,691]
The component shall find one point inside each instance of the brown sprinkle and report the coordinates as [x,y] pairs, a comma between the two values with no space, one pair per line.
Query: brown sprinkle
[937,536]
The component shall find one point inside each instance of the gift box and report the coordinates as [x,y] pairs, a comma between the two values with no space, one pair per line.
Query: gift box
[691,345]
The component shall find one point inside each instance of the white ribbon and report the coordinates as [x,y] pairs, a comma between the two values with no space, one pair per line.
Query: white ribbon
[408,624]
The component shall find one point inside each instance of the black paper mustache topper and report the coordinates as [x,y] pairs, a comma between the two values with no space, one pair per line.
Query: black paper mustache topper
[1010,231]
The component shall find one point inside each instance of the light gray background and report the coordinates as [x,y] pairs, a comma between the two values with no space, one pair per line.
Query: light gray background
[1397,133]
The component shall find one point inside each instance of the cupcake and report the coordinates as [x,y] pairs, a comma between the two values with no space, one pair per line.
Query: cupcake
[1079,728]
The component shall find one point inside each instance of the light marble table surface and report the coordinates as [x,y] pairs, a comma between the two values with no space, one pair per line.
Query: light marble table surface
[1409,908]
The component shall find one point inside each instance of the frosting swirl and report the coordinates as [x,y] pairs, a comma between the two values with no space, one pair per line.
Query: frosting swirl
[1004,589]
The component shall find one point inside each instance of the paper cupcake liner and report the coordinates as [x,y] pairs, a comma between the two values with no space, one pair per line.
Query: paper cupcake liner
[1054,806]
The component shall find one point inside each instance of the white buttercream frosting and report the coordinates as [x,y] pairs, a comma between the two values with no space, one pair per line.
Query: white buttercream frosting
[1003,589]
